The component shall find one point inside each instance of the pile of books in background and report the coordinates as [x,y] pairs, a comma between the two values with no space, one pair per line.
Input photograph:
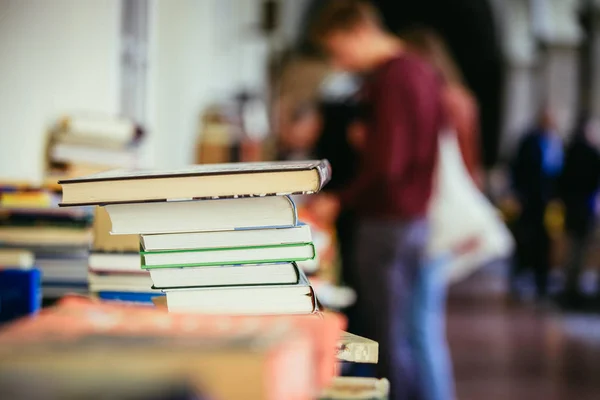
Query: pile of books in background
[59,238]
[115,271]
[86,144]
[232,248]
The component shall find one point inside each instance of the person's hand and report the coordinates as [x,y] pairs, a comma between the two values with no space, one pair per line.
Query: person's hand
[325,207]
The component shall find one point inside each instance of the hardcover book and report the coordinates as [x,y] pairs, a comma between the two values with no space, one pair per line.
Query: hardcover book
[197,182]
[199,216]
[245,300]
[225,275]
[219,239]
[228,256]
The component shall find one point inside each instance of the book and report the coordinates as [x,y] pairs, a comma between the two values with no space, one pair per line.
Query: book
[236,238]
[97,129]
[245,300]
[356,388]
[119,282]
[227,275]
[197,216]
[16,259]
[258,362]
[83,316]
[129,297]
[77,317]
[115,262]
[198,182]
[63,269]
[105,242]
[45,236]
[26,199]
[56,290]
[74,153]
[228,256]
[20,293]
[357,349]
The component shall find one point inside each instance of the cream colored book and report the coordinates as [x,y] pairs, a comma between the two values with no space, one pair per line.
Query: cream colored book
[353,388]
[16,258]
[357,349]
[198,182]
[105,242]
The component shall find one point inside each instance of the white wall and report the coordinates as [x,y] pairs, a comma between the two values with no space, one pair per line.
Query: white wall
[56,57]
[202,51]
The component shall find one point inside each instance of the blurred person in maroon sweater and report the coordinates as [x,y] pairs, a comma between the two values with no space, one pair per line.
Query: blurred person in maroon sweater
[390,196]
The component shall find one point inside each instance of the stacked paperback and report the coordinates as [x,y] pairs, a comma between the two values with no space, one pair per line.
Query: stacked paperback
[217,239]
[58,238]
[87,143]
[114,265]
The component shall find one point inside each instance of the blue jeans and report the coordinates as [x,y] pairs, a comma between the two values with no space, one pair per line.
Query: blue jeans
[389,258]
[428,332]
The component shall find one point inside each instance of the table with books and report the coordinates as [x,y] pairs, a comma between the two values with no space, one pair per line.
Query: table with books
[223,243]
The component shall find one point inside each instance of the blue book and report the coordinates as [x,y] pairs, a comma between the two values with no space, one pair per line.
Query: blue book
[20,293]
[130,297]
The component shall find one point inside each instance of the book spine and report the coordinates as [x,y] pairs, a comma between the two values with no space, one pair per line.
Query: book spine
[324,170]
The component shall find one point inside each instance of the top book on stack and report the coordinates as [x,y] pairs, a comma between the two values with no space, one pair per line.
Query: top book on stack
[197,182]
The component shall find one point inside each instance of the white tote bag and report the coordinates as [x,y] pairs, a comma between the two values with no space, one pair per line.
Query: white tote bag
[459,213]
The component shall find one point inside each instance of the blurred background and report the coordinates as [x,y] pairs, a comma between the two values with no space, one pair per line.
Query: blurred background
[204,81]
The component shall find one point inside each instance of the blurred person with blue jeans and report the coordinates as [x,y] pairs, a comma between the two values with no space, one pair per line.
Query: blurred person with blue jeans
[535,174]
[429,327]
[390,195]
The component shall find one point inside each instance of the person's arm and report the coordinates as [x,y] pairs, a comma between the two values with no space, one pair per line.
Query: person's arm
[387,149]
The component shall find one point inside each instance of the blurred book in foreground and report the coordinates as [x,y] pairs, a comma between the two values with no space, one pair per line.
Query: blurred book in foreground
[286,355]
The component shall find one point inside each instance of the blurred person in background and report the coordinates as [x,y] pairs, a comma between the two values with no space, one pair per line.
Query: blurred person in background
[535,173]
[579,188]
[390,195]
[430,344]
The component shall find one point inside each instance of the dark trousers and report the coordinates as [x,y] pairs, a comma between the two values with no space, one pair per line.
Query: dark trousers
[533,251]
[389,255]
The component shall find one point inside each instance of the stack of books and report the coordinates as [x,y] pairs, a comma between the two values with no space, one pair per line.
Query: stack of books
[219,239]
[58,237]
[115,271]
[81,347]
[85,144]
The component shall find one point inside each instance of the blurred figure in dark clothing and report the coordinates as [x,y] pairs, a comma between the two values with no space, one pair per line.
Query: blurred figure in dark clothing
[535,173]
[333,144]
[579,186]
